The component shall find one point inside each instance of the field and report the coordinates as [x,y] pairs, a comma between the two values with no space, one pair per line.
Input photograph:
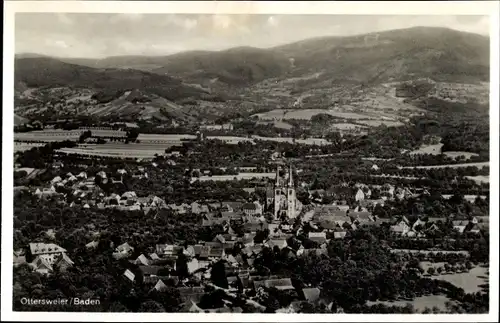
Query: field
[346,126]
[478,165]
[455,154]
[419,303]
[232,177]
[479,179]
[307,114]
[470,281]
[20,146]
[48,135]
[428,149]
[309,141]
[131,150]
[376,123]
[276,124]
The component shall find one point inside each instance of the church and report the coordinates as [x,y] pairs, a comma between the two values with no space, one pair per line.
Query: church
[284,199]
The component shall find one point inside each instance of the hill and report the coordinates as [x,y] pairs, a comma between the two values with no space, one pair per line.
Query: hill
[35,72]
[363,74]
[235,66]
[440,53]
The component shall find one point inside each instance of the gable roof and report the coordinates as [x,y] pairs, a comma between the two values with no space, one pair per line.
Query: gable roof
[160,286]
[39,248]
[339,234]
[150,270]
[42,261]
[130,275]
[317,236]
[281,284]
[311,294]
[142,260]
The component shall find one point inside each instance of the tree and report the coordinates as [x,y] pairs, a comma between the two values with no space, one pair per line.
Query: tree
[218,274]
[151,307]
[440,270]
[181,265]
[431,271]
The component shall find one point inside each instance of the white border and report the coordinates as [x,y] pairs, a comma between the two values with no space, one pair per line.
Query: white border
[490,8]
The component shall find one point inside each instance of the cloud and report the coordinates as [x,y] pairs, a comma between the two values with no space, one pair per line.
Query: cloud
[272,21]
[61,43]
[64,19]
[221,21]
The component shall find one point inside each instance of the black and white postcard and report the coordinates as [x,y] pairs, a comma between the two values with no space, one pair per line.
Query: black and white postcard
[250,161]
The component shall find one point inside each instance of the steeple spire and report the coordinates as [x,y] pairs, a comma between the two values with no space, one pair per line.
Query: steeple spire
[277,175]
[290,181]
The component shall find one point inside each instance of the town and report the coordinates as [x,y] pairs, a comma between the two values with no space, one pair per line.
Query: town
[344,173]
[209,240]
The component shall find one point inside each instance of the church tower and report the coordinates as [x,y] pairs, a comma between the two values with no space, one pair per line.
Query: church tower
[278,194]
[285,201]
[290,196]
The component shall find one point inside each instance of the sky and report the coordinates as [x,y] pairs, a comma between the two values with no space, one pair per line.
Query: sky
[96,35]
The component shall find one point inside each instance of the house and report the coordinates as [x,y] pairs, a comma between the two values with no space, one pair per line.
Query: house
[319,237]
[280,243]
[198,208]
[42,264]
[193,294]
[360,195]
[166,250]
[401,227]
[150,270]
[311,294]
[45,263]
[253,227]
[247,239]
[339,234]
[129,196]
[231,206]
[129,275]
[122,251]
[280,284]
[361,217]
[480,219]
[474,228]
[366,203]
[56,179]
[460,225]
[142,260]
[92,245]
[50,249]
[160,286]
[158,203]
[250,209]
[216,253]
[375,167]
[82,175]
[19,257]
[64,262]
[436,220]
[418,224]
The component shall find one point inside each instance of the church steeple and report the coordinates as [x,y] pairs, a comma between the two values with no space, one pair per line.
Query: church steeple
[290,179]
[277,175]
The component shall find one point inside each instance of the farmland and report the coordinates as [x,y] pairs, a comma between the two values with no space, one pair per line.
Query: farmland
[419,303]
[478,165]
[455,154]
[479,179]
[428,149]
[307,114]
[232,177]
[471,282]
